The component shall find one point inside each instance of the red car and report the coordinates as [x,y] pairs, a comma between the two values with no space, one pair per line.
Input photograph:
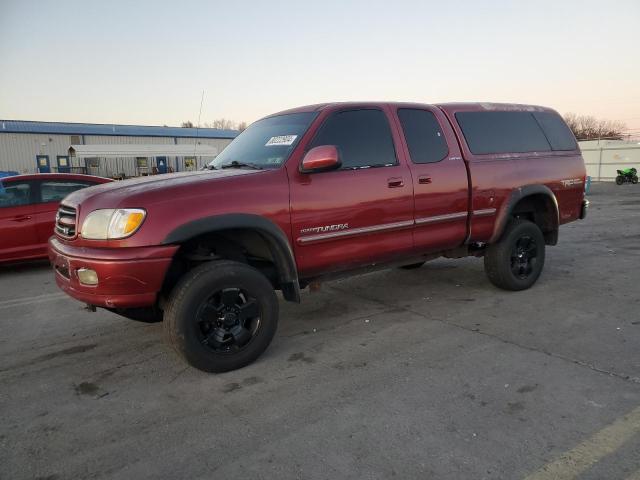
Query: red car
[28,206]
[314,193]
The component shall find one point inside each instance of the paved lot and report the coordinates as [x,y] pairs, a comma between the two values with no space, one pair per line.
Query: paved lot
[430,373]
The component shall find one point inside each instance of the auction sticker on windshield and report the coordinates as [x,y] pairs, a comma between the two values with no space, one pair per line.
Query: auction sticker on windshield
[281,140]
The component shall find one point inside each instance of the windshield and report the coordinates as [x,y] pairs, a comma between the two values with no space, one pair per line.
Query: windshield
[267,143]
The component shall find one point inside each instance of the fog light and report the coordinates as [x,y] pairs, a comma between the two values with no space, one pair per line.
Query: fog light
[87,276]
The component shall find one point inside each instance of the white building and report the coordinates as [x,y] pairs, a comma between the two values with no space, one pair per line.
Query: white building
[29,147]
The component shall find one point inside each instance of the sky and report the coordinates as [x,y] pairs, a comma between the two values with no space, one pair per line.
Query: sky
[148,62]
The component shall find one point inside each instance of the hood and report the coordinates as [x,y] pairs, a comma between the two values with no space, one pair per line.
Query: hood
[166,186]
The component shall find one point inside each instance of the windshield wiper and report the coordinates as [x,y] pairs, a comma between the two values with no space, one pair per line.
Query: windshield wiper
[236,164]
[209,167]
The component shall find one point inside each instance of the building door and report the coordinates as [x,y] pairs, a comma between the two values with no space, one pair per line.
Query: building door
[162,164]
[42,161]
[63,164]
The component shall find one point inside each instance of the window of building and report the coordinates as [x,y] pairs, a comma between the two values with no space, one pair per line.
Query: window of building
[190,163]
[92,162]
[363,138]
[502,132]
[424,136]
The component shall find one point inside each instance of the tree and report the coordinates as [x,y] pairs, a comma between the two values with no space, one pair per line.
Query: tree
[222,124]
[587,127]
[187,124]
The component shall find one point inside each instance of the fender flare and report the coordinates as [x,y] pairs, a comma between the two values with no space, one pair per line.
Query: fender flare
[275,238]
[514,197]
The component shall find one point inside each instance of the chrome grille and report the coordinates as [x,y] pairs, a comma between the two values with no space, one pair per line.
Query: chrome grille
[66,222]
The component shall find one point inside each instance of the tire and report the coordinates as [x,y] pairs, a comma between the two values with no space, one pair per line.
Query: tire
[619,180]
[413,266]
[634,180]
[517,260]
[211,311]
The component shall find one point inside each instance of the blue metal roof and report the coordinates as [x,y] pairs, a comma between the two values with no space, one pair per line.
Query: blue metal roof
[25,126]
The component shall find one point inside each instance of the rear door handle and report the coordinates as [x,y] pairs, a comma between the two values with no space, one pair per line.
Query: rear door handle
[21,218]
[395,182]
[424,179]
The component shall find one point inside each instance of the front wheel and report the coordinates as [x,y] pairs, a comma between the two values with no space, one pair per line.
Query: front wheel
[619,180]
[221,316]
[516,261]
[634,180]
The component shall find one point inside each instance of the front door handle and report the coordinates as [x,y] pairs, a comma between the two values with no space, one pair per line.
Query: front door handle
[424,179]
[21,218]
[395,182]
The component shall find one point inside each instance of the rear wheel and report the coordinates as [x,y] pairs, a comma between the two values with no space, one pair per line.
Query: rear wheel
[634,180]
[619,180]
[221,316]
[516,261]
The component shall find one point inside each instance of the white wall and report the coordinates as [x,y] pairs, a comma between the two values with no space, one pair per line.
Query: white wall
[602,158]
[219,143]
[122,165]
[18,151]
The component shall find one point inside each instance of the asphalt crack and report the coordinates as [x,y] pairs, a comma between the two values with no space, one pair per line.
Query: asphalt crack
[575,361]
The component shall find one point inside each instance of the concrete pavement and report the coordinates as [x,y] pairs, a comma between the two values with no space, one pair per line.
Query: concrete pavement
[428,373]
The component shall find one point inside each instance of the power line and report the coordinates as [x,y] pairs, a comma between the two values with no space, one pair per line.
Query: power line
[195,140]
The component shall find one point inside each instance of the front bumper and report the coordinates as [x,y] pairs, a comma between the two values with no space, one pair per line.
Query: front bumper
[584,209]
[127,277]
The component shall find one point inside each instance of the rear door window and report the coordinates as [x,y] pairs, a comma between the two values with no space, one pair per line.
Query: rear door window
[15,194]
[363,138]
[558,133]
[424,136]
[502,132]
[55,191]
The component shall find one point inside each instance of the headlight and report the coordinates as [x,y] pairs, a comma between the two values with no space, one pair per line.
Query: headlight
[111,224]
[96,225]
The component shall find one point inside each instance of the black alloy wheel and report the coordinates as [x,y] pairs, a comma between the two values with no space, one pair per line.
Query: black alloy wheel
[228,320]
[516,261]
[222,315]
[524,257]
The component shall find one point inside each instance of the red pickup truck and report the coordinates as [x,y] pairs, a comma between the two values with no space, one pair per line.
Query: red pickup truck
[314,193]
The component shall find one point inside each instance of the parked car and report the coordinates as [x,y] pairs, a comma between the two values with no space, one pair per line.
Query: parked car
[314,193]
[28,206]
[10,173]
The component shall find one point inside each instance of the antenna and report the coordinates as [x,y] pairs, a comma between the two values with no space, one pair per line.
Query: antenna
[195,142]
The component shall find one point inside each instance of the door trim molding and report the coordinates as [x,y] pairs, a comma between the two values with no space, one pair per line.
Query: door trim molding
[307,239]
[441,218]
[485,212]
[304,240]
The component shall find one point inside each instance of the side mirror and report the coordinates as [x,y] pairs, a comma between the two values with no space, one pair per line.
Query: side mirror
[321,159]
